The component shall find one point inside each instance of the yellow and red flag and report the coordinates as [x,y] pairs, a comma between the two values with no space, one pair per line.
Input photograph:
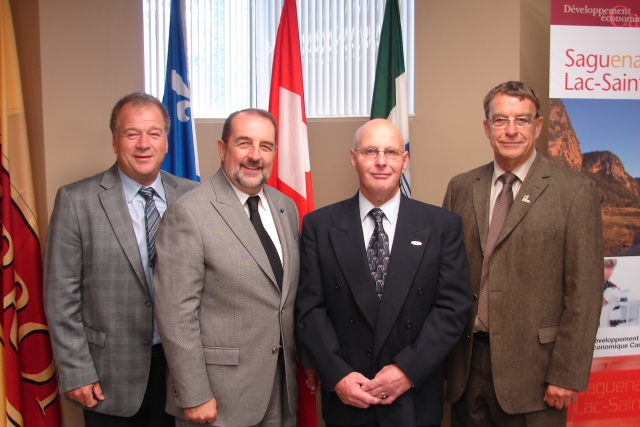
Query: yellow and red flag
[292,170]
[28,387]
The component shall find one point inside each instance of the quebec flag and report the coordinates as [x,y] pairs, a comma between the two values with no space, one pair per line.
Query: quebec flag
[182,157]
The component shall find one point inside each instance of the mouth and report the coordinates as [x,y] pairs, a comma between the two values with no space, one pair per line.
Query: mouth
[251,168]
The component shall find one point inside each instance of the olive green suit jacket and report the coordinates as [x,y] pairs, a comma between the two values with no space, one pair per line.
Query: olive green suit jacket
[545,282]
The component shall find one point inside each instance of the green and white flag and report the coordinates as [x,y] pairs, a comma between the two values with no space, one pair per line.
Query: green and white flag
[390,89]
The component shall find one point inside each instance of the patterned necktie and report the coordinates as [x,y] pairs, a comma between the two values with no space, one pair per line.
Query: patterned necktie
[500,211]
[265,239]
[151,222]
[378,252]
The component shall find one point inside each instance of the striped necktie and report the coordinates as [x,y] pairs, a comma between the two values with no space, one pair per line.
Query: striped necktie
[151,221]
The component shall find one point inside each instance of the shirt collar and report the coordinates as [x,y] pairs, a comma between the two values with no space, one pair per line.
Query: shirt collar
[520,171]
[390,207]
[242,195]
[131,187]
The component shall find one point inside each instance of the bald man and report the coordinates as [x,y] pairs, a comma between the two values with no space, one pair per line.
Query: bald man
[384,293]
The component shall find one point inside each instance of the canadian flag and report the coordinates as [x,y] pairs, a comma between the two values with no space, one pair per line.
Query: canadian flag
[292,171]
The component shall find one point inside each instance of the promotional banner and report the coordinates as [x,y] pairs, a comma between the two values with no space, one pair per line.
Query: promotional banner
[594,128]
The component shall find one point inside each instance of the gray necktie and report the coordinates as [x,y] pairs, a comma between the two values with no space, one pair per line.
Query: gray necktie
[151,222]
[500,211]
[378,252]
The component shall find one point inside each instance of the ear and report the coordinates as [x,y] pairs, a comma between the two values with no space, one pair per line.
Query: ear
[114,144]
[486,128]
[405,161]
[538,129]
[222,149]
[353,155]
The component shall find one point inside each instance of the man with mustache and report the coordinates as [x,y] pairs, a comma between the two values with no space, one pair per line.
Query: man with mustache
[225,296]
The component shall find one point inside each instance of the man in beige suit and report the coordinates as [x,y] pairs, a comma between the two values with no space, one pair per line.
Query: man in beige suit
[533,234]
[225,295]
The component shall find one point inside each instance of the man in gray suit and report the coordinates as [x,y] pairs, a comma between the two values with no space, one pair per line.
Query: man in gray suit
[226,286]
[533,234]
[98,278]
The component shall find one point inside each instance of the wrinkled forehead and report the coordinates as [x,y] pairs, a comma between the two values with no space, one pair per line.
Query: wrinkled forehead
[379,136]
[507,105]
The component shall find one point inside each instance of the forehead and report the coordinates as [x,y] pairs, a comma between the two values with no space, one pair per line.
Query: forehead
[249,123]
[511,105]
[381,137]
[131,113]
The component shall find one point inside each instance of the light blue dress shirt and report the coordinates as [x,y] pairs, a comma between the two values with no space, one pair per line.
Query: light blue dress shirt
[135,204]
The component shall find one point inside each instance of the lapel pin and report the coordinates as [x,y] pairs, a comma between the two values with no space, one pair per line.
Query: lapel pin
[281,210]
[416,243]
[526,199]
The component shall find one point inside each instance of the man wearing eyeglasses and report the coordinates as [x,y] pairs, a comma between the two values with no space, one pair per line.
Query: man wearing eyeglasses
[383,295]
[533,234]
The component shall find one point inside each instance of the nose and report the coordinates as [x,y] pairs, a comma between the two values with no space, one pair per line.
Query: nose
[381,159]
[253,153]
[143,141]
[511,128]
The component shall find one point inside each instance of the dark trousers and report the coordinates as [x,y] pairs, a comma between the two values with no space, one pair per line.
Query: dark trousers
[479,407]
[373,425]
[151,412]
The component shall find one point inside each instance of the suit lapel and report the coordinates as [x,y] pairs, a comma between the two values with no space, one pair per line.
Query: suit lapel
[170,187]
[348,245]
[277,208]
[226,202]
[114,204]
[403,264]
[533,186]
[481,202]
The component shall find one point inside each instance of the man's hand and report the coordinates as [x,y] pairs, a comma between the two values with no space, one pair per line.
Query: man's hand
[560,397]
[203,414]
[349,391]
[313,380]
[87,395]
[388,384]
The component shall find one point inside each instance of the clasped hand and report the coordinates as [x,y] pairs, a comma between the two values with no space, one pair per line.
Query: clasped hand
[357,390]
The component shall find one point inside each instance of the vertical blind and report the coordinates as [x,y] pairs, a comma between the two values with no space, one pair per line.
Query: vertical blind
[230,50]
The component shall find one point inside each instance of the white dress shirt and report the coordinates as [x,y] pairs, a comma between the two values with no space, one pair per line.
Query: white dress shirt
[265,214]
[389,221]
[135,204]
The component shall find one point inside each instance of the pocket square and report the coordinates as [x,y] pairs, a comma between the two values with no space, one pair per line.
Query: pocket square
[416,243]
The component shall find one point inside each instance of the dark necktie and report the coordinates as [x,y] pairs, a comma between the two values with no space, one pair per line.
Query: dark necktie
[267,243]
[378,252]
[500,211]
[151,222]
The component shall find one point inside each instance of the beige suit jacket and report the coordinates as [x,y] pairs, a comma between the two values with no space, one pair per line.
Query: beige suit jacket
[219,311]
[545,283]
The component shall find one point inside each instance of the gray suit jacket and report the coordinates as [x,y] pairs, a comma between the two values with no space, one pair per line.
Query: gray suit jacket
[545,283]
[95,292]
[219,310]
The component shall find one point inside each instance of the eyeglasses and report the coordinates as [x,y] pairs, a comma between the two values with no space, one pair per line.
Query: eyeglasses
[503,122]
[372,152]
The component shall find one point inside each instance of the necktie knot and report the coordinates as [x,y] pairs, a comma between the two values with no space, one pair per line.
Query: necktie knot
[507,178]
[377,215]
[252,203]
[146,192]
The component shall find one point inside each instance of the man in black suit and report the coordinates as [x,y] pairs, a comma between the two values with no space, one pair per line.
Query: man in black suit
[384,293]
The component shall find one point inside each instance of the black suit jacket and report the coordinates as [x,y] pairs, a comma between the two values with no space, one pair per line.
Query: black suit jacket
[346,327]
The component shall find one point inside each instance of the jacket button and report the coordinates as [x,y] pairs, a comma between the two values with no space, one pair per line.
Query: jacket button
[369,352]
[146,342]
[420,291]
[407,324]
[475,297]
[468,336]
[337,286]
[275,350]
[352,320]
[147,303]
